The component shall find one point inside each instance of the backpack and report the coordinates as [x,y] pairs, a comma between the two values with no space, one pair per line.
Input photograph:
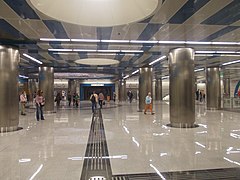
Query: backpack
[93,99]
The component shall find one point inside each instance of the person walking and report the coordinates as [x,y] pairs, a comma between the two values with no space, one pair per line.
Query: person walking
[58,99]
[114,97]
[148,104]
[94,100]
[23,101]
[40,101]
[69,97]
[76,99]
[100,99]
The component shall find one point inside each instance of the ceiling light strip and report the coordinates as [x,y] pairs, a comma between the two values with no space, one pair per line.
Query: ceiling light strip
[33,59]
[61,50]
[135,72]
[231,62]
[143,41]
[52,39]
[197,70]
[157,60]
[22,76]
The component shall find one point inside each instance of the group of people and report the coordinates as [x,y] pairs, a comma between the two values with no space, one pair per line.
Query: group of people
[39,101]
[73,98]
[97,99]
[200,95]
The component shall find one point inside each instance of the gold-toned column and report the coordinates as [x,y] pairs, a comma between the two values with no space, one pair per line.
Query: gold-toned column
[145,85]
[9,100]
[46,84]
[182,83]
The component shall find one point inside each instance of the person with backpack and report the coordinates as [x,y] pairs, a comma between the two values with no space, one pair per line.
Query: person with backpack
[94,101]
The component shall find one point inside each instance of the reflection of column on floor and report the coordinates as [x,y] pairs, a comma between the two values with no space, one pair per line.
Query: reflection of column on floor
[214,135]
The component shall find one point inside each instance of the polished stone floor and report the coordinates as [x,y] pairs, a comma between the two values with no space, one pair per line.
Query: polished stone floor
[122,142]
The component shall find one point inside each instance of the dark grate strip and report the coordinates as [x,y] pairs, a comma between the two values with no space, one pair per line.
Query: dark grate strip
[96,161]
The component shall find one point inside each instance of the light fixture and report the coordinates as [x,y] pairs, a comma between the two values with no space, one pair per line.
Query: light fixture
[125,77]
[231,62]
[85,40]
[32,58]
[135,72]
[109,50]
[61,50]
[171,42]
[22,76]
[197,70]
[52,39]
[157,60]
[84,50]
[115,41]
[165,77]
[132,51]
[143,42]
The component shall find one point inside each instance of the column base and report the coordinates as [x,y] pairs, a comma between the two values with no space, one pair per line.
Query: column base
[10,129]
[182,125]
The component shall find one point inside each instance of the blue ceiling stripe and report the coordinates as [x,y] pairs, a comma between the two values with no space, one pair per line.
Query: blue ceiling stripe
[149,31]
[226,16]
[119,56]
[9,29]
[22,8]
[56,45]
[189,8]
[83,55]
[56,28]
[146,20]
[220,33]
[104,33]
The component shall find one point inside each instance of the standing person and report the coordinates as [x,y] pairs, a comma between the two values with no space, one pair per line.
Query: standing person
[130,96]
[69,97]
[76,99]
[114,97]
[58,99]
[40,101]
[148,103]
[94,100]
[23,101]
[197,94]
[100,99]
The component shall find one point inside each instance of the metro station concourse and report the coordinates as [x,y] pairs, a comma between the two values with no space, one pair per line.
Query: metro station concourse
[185,53]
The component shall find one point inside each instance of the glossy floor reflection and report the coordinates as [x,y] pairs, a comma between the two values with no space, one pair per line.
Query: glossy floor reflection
[137,143]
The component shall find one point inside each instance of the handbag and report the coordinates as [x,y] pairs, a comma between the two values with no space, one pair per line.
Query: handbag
[103,103]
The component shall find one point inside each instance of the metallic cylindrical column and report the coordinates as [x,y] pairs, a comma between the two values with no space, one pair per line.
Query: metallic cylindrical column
[213,88]
[46,84]
[9,100]
[226,84]
[32,88]
[145,85]
[122,90]
[182,84]
[158,89]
